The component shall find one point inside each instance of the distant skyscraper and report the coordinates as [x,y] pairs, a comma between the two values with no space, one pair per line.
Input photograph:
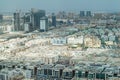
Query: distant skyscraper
[27,18]
[17,26]
[43,24]
[88,14]
[53,20]
[35,18]
[1,17]
[27,22]
[82,13]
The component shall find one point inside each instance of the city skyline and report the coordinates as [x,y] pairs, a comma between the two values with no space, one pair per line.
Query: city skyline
[60,5]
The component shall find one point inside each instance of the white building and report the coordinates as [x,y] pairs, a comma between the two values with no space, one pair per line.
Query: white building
[6,28]
[58,41]
[26,27]
[75,40]
[44,24]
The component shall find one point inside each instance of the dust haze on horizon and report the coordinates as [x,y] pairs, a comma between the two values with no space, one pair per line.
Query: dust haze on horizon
[60,5]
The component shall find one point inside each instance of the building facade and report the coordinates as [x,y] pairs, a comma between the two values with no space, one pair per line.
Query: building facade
[43,24]
[53,20]
[36,15]
[17,21]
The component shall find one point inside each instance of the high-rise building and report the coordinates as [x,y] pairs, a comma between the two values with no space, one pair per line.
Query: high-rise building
[35,17]
[53,20]
[17,26]
[88,14]
[1,17]
[82,13]
[27,22]
[43,24]
[27,18]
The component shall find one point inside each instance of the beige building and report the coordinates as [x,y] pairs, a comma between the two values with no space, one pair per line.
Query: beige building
[49,58]
[92,41]
[109,43]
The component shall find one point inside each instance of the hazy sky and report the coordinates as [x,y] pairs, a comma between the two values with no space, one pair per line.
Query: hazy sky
[60,5]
